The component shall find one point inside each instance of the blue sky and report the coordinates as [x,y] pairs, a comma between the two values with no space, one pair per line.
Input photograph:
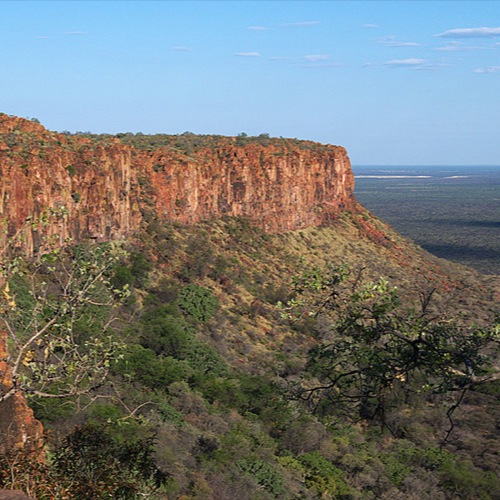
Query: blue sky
[395,82]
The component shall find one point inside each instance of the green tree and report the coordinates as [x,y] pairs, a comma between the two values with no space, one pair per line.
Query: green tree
[376,353]
[59,313]
[94,464]
[198,302]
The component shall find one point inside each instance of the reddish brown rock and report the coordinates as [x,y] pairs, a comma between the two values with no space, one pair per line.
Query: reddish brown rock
[40,170]
[279,191]
[106,188]
[19,430]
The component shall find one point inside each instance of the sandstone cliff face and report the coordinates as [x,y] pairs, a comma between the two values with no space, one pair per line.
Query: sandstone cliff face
[40,170]
[104,188]
[278,190]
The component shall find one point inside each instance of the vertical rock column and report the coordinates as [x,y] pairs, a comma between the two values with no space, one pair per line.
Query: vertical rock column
[19,429]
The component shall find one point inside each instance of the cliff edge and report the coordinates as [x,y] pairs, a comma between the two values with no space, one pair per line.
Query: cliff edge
[104,187]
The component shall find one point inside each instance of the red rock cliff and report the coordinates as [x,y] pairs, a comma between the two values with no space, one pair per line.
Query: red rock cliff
[106,186]
[19,430]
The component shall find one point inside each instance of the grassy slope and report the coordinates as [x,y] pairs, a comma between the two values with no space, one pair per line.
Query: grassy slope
[232,434]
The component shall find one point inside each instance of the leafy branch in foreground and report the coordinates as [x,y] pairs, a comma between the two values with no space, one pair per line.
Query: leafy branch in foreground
[376,354]
[58,313]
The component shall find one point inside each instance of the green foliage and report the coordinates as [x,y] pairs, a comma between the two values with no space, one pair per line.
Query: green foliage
[251,395]
[457,476]
[94,465]
[265,475]
[156,372]
[140,267]
[323,477]
[222,394]
[464,480]
[122,277]
[105,413]
[132,271]
[20,288]
[198,302]
[169,414]
[200,257]
[169,352]
[396,470]
[51,410]
[376,354]
[204,359]
[60,317]
[165,333]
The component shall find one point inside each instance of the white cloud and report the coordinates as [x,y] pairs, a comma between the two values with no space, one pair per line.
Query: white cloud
[180,48]
[405,62]
[458,47]
[369,25]
[470,33]
[302,24]
[391,41]
[321,65]
[247,54]
[488,69]
[396,43]
[431,66]
[317,57]
[309,61]
[257,28]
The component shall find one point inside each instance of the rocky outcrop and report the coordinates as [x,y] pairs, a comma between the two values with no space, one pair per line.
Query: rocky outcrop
[19,430]
[279,190]
[101,189]
[88,187]
[57,187]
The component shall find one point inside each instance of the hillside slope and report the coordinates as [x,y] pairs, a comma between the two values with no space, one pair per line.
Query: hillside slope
[202,401]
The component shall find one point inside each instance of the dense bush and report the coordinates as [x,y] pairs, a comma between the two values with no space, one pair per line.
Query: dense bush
[198,302]
[94,465]
[265,474]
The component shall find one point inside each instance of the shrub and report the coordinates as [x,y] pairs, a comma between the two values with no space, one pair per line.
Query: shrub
[264,474]
[198,302]
[164,333]
[323,477]
[140,267]
[200,260]
[153,371]
[94,465]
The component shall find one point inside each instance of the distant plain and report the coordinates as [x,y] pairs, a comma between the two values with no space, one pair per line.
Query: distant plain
[451,211]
